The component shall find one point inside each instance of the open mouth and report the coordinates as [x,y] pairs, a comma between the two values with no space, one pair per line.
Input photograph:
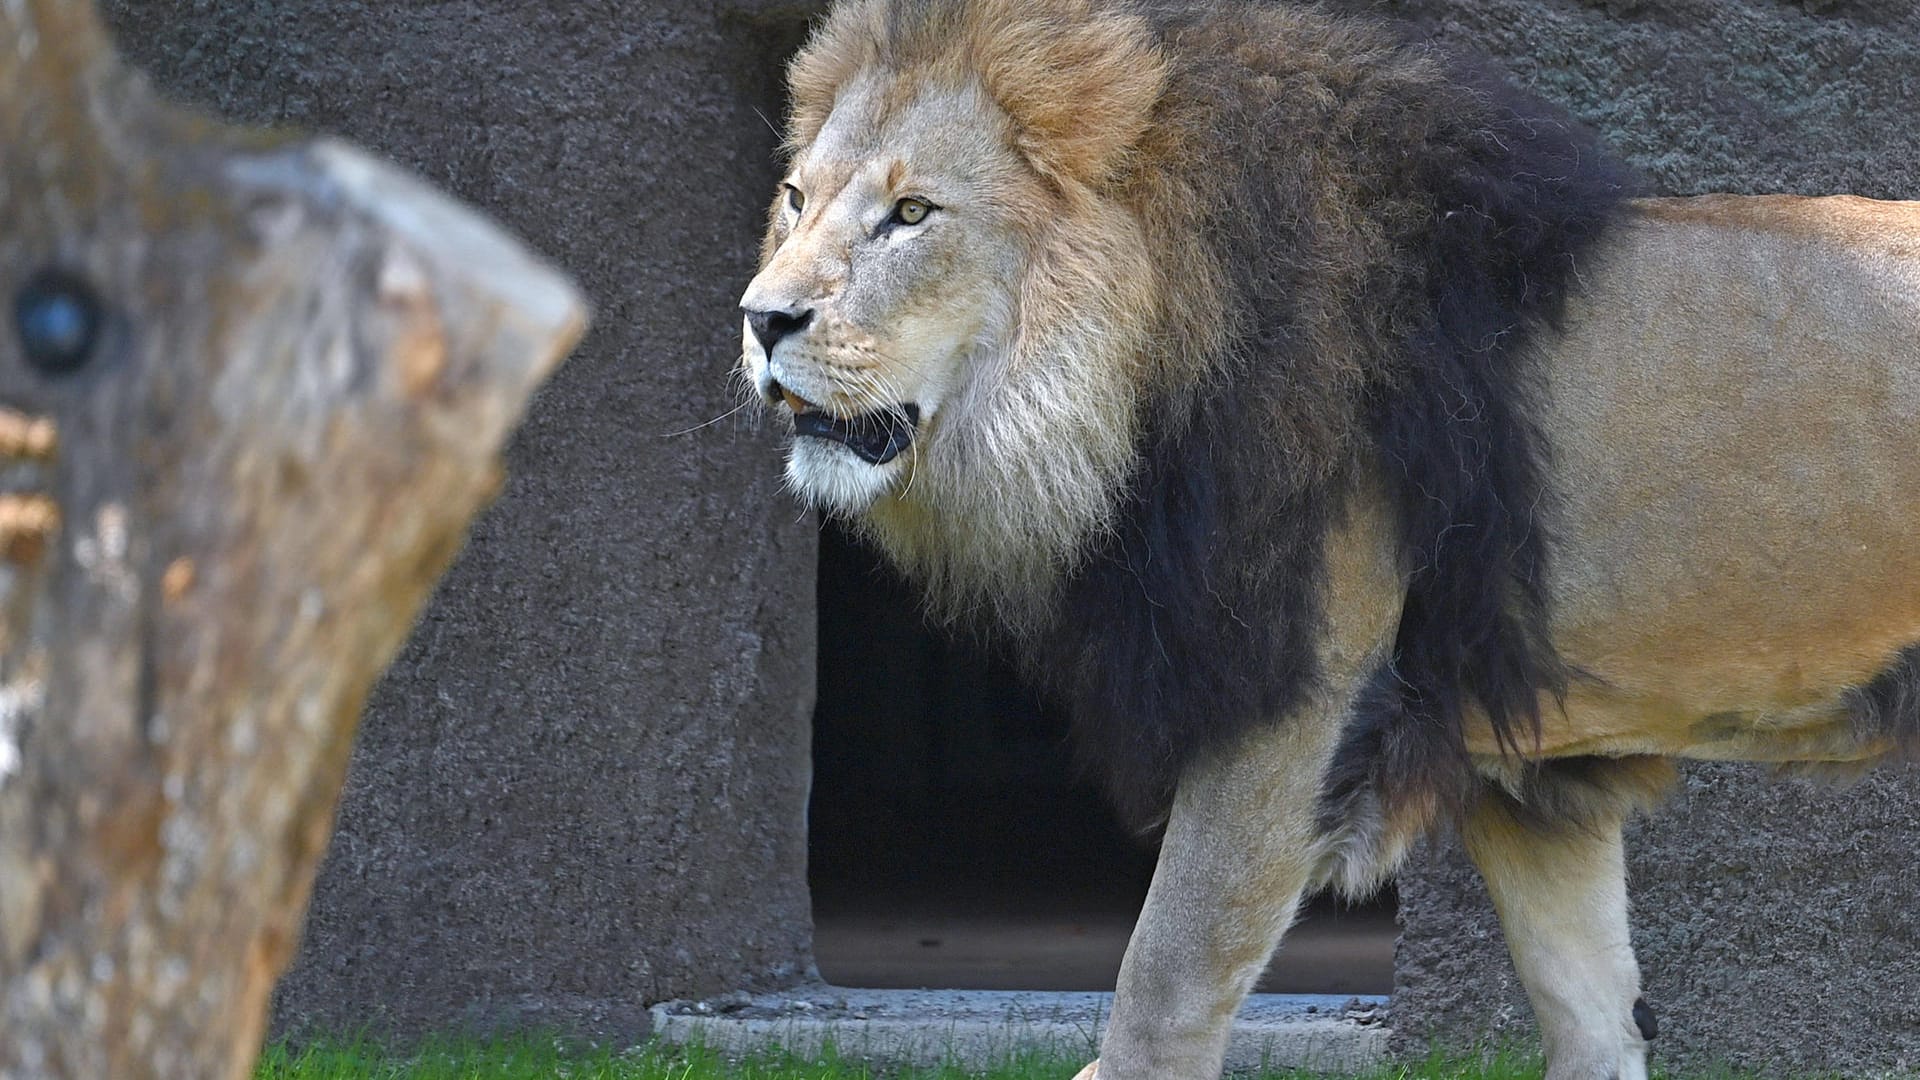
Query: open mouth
[878,437]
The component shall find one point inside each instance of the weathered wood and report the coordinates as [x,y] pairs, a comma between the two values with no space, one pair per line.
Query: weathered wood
[251,390]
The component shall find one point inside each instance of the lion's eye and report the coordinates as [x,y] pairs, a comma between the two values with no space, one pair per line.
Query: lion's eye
[796,201]
[911,211]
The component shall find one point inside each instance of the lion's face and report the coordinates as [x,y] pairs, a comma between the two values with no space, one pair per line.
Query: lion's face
[891,263]
[959,306]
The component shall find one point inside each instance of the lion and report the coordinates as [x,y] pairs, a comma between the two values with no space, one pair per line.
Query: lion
[1356,450]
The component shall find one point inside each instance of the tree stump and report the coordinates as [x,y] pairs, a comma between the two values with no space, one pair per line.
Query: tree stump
[252,389]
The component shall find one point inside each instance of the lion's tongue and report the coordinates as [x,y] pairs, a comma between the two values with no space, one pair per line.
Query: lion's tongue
[877,437]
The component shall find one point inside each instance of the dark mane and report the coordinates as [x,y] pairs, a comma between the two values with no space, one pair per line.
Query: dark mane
[1386,228]
[1888,707]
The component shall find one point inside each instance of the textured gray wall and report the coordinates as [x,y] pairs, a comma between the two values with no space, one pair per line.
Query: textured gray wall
[582,787]
[1778,924]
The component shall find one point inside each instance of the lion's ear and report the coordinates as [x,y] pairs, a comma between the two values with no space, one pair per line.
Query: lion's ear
[1079,86]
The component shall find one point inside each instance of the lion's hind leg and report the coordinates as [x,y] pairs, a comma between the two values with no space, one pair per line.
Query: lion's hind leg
[1561,893]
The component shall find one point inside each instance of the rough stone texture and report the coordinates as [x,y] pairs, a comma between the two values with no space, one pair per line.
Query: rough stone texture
[1808,96]
[582,787]
[1776,922]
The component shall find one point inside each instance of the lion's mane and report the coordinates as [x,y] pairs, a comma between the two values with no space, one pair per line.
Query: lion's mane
[1352,238]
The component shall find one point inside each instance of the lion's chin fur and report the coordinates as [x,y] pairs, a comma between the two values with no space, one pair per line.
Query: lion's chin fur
[834,480]
[1027,463]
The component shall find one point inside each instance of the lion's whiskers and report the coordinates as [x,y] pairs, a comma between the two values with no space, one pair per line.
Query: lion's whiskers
[707,424]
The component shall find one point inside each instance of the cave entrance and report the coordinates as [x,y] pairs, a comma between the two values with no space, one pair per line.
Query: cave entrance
[952,844]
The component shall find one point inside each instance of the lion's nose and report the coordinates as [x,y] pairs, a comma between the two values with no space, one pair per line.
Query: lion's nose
[771,326]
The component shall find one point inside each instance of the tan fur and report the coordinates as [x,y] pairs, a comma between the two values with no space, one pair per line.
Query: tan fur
[1078,83]
[1740,477]
[1562,901]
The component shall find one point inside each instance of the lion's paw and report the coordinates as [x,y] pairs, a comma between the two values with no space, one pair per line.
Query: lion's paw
[1090,1072]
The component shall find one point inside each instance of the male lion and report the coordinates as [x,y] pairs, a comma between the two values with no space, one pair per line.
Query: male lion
[1331,428]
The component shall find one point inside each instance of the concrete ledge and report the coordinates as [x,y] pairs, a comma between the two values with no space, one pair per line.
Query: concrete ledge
[979,1028]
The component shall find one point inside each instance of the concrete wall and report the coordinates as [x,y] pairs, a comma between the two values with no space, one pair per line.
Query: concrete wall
[1778,924]
[582,787]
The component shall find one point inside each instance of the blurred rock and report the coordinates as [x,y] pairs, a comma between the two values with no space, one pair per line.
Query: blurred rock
[582,787]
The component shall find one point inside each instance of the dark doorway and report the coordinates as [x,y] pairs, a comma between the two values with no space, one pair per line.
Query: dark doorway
[953,844]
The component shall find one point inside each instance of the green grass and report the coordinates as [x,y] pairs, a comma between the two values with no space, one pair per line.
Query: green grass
[540,1058]
[545,1057]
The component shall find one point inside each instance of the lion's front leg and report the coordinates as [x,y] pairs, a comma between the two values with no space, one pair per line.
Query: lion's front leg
[1243,840]
[1562,898]
[1239,851]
